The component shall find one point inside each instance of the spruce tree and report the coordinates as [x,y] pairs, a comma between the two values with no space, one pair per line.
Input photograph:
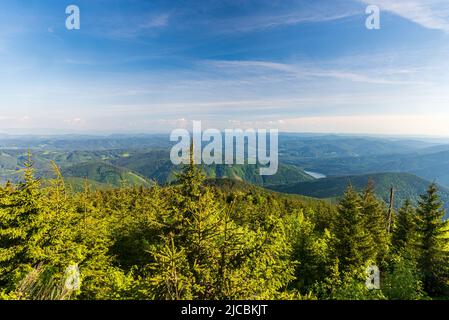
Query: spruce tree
[191,228]
[404,234]
[205,254]
[375,220]
[21,232]
[60,249]
[432,242]
[354,245]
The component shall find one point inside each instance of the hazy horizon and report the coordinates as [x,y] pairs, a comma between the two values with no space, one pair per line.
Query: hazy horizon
[61,134]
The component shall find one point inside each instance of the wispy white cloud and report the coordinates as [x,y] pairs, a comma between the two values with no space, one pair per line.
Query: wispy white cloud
[431,14]
[77,61]
[375,76]
[284,13]
[158,21]
[273,21]
[130,28]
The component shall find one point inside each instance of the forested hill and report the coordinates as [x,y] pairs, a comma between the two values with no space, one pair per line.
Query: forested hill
[407,186]
[163,172]
[156,165]
[105,173]
[215,240]
[115,167]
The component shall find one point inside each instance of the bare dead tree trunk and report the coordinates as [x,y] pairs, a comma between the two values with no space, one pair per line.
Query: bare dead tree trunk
[390,209]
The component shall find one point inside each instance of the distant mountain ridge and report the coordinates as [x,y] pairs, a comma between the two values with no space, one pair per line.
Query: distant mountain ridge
[106,174]
[157,166]
[140,159]
[432,166]
[112,166]
[406,185]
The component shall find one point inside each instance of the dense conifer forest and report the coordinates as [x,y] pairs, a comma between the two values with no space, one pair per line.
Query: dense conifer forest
[194,239]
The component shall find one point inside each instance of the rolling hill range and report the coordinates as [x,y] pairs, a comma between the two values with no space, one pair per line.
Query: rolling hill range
[431,166]
[84,142]
[137,160]
[106,174]
[100,175]
[134,167]
[294,146]
[156,166]
[407,186]
[304,150]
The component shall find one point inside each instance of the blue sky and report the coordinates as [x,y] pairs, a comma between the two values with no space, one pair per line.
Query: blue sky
[297,65]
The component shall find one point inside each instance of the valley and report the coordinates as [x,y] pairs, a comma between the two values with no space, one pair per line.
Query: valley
[319,166]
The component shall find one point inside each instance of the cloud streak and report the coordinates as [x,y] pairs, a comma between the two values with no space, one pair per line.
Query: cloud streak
[121,27]
[369,77]
[431,14]
[273,21]
[285,13]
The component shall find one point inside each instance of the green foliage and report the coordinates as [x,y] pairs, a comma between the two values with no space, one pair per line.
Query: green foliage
[354,246]
[103,174]
[312,250]
[406,185]
[375,220]
[403,281]
[198,239]
[208,255]
[404,235]
[349,285]
[21,234]
[432,242]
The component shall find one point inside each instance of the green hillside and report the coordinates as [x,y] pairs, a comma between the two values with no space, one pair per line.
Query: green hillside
[431,166]
[232,186]
[106,174]
[111,166]
[407,186]
[75,184]
[157,166]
